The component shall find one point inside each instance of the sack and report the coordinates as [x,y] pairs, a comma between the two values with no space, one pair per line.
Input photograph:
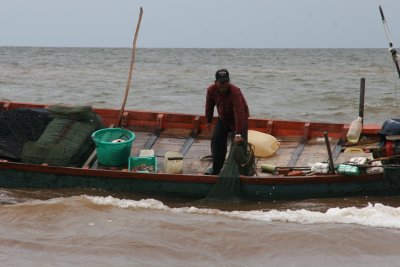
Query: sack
[265,145]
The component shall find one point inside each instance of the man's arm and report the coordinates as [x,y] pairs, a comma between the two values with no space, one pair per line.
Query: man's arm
[240,113]
[210,104]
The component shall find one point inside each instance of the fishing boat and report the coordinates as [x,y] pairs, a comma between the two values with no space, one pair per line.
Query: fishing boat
[300,143]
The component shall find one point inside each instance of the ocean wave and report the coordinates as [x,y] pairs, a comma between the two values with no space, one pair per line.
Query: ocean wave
[373,215]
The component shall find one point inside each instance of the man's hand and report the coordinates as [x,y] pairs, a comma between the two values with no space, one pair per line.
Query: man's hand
[208,126]
[238,138]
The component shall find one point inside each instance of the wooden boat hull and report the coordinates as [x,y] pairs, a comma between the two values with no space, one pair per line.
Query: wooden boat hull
[194,184]
[16,175]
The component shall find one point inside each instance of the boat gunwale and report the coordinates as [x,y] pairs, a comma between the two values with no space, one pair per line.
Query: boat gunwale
[188,178]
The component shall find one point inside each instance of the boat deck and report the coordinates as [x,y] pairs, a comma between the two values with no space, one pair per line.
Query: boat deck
[292,152]
[301,143]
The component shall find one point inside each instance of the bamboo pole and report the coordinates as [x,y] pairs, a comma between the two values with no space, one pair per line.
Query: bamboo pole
[128,83]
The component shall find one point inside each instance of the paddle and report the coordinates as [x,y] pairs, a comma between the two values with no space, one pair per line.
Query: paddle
[128,83]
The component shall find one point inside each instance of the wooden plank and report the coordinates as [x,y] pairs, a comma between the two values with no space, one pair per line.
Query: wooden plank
[186,146]
[270,125]
[160,121]
[125,119]
[138,144]
[194,166]
[314,151]
[196,126]
[338,148]
[176,133]
[286,144]
[150,142]
[189,141]
[280,158]
[299,149]
[198,151]
[171,141]
[296,154]
[91,159]
[164,145]
[153,138]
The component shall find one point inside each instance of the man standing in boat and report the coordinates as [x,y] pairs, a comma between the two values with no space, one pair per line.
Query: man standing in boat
[233,114]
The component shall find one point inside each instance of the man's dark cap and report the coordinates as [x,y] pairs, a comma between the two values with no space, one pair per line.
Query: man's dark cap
[222,75]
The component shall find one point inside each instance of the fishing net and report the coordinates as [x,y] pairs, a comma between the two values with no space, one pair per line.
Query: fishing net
[19,126]
[77,113]
[67,139]
[240,161]
[244,157]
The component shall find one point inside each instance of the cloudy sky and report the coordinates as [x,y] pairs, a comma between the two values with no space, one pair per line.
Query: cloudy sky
[200,24]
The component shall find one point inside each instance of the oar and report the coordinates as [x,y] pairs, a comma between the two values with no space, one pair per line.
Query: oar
[128,83]
[391,48]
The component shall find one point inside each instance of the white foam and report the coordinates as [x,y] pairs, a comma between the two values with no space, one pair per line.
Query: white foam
[374,215]
[126,203]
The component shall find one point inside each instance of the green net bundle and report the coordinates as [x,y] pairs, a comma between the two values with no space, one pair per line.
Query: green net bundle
[240,161]
[19,126]
[77,113]
[67,138]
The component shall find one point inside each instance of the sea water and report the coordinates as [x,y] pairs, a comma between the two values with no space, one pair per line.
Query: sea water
[65,227]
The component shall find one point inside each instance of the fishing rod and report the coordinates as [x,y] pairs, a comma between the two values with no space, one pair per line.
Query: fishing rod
[391,48]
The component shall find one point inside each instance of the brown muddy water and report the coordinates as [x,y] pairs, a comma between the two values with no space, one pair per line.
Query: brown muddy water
[98,228]
[75,227]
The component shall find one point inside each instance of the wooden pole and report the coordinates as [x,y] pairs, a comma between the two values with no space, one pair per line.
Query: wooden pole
[328,147]
[128,83]
[362,98]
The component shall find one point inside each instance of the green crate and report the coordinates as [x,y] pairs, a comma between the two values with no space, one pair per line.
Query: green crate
[113,154]
[137,161]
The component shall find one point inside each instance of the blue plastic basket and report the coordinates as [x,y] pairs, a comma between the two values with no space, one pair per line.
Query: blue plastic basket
[111,153]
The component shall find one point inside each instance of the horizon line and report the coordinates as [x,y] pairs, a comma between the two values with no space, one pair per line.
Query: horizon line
[126,47]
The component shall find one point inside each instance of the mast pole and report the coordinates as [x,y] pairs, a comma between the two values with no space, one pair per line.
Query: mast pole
[128,83]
